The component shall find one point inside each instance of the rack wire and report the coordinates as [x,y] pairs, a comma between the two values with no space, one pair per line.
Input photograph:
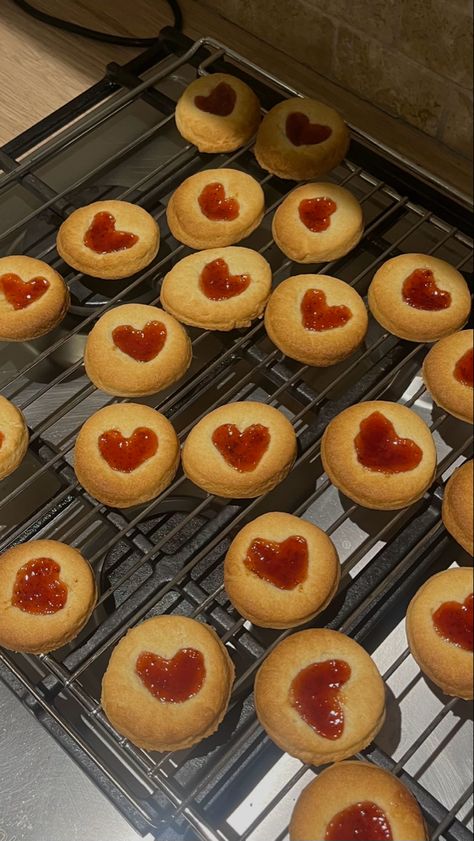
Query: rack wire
[167,556]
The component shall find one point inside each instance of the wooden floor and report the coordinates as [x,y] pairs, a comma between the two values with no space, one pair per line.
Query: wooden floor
[41,68]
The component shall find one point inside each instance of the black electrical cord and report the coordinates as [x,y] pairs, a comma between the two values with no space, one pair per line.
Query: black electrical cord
[108,38]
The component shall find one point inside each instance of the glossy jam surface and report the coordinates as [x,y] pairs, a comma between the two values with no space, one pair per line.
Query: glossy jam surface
[175,680]
[214,204]
[421,291]
[220,101]
[142,345]
[242,450]
[360,822]
[317,315]
[38,588]
[103,238]
[454,622]
[463,370]
[218,284]
[380,449]
[19,293]
[301,132]
[126,454]
[315,694]
[316,213]
[285,564]
[2,438]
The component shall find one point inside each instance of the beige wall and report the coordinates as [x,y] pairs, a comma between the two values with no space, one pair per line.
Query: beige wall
[411,58]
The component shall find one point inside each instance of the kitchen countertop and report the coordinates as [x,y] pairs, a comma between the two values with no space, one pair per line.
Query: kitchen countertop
[41,68]
[49,798]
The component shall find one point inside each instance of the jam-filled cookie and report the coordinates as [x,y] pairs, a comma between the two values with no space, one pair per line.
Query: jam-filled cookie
[419,297]
[300,139]
[47,594]
[168,683]
[319,696]
[439,627]
[281,571]
[219,288]
[215,207]
[457,506]
[135,350]
[218,113]
[241,449]
[14,437]
[316,319]
[448,374]
[318,222]
[33,298]
[380,454]
[109,239]
[356,800]
[126,454]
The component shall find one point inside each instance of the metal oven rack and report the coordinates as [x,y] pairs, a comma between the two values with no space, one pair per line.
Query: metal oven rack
[167,556]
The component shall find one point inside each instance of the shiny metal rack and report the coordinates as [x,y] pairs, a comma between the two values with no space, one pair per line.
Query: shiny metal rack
[119,140]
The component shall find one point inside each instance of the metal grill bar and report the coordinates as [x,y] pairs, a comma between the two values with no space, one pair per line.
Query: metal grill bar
[383,364]
[452,813]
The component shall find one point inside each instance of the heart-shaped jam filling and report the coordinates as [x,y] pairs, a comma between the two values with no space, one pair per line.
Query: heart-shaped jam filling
[218,284]
[421,291]
[285,564]
[454,622]
[301,132]
[38,588]
[360,822]
[103,238]
[317,315]
[380,449]
[21,293]
[126,454]
[315,694]
[316,213]
[242,450]
[220,101]
[175,680]
[214,204]
[141,345]
[463,370]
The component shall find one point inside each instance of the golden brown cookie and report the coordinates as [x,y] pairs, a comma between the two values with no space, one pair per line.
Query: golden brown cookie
[419,297]
[316,319]
[168,683]
[134,350]
[126,454]
[14,437]
[215,207]
[109,239]
[301,138]
[281,571]
[218,289]
[318,222]
[240,449]
[379,454]
[447,372]
[33,298]
[319,696]
[457,506]
[218,113]
[439,630]
[356,800]
[47,594]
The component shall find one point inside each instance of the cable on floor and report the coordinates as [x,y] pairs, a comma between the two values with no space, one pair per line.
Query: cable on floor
[95,35]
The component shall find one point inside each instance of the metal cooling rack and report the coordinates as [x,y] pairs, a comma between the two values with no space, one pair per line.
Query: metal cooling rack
[119,140]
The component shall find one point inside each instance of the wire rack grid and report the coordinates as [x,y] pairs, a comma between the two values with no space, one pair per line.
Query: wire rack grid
[167,556]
